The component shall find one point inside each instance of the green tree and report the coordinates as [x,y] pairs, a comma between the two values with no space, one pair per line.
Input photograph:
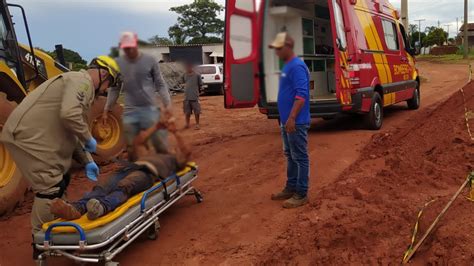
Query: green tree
[70,56]
[197,20]
[436,36]
[143,43]
[204,40]
[414,37]
[412,28]
[158,40]
[177,35]
[114,52]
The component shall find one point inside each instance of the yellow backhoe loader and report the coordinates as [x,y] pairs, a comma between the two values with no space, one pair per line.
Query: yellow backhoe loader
[22,69]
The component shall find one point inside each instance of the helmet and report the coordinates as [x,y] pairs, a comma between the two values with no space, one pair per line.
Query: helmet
[109,64]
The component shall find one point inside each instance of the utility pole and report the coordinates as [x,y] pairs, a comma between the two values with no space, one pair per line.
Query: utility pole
[457,26]
[419,30]
[447,39]
[447,25]
[405,14]
[466,23]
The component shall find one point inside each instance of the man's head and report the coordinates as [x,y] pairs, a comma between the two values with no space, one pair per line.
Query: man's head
[129,44]
[189,67]
[105,73]
[283,45]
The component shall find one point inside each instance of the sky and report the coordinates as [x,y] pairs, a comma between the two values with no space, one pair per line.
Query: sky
[91,27]
[444,11]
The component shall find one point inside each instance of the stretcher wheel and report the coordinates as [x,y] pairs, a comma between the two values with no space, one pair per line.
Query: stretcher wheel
[198,196]
[153,231]
[41,262]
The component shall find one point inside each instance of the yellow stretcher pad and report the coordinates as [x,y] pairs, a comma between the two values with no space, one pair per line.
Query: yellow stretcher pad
[87,224]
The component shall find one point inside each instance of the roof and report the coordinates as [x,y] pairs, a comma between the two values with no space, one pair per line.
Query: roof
[470,27]
[190,45]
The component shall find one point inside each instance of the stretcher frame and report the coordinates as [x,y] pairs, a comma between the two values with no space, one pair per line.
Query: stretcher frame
[148,222]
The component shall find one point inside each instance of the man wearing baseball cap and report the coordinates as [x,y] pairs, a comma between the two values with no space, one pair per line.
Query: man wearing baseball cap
[295,118]
[142,82]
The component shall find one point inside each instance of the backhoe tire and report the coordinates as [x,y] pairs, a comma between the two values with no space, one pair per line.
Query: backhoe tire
[12,185]
[110,138]
[374,119]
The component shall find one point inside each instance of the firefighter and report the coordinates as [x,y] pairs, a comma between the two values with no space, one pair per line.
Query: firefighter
[50,127]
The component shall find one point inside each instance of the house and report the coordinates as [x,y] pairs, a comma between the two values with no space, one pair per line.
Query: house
[195,53]
[470,29]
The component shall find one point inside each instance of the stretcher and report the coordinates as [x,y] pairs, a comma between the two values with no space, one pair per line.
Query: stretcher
[101,240]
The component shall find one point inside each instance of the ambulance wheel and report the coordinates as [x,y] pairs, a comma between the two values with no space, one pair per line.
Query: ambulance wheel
[414,103]
[374,119]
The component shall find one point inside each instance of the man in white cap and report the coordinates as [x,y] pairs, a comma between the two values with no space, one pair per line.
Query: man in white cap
[142,82]
[295,118]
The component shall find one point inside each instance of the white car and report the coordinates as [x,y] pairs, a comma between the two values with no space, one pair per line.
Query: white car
[212,76]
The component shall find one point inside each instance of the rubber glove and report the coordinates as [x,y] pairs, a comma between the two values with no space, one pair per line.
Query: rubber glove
[92,171]
[91,145]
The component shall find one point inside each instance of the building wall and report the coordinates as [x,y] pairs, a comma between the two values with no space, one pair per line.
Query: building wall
[174,53]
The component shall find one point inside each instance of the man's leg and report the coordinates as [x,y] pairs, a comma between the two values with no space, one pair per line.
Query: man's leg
[187,113]
[299,151]
[291,170]
[131,128]
[160,137]
[197,112]
[132,184]
[40,214]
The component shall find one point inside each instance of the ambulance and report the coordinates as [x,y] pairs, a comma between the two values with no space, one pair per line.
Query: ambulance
[357,51]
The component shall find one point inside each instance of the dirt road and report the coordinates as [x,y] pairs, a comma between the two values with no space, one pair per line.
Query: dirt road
[241,163]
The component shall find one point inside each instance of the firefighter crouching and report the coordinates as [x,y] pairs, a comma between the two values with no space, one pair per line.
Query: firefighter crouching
[49,127]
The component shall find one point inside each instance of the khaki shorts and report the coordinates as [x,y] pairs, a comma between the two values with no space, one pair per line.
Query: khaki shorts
[190,107]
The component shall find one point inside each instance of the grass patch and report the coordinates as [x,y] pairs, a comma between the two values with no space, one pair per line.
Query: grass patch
[447,59]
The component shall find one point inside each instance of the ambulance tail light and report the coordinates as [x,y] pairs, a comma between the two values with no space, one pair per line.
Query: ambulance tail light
[217,77]
[353,73]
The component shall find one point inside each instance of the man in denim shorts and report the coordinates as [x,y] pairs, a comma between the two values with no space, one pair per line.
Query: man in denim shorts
[192,87]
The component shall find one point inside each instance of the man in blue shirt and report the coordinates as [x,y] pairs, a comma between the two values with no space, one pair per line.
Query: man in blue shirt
[295,119]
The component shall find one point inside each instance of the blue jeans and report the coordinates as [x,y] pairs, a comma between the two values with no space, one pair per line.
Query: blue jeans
[116,190]
[295,147]
[141,119]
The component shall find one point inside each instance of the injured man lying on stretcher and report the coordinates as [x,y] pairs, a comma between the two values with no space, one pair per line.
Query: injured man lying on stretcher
[133,179]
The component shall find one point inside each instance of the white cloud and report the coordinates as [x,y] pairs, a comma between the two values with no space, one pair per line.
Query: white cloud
[133,6]
[443,11]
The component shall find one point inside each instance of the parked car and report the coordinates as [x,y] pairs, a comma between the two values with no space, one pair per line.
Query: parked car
[212,78]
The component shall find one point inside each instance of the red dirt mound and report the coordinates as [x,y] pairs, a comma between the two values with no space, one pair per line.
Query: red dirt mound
[368,215]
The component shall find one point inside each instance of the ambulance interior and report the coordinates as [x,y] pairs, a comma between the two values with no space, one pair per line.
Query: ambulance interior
[308,22]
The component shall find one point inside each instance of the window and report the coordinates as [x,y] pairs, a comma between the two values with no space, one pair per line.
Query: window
[308,36]
[341,33]
[391,36]
[206,70]
[3,33]
[240,36]
[406,42]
